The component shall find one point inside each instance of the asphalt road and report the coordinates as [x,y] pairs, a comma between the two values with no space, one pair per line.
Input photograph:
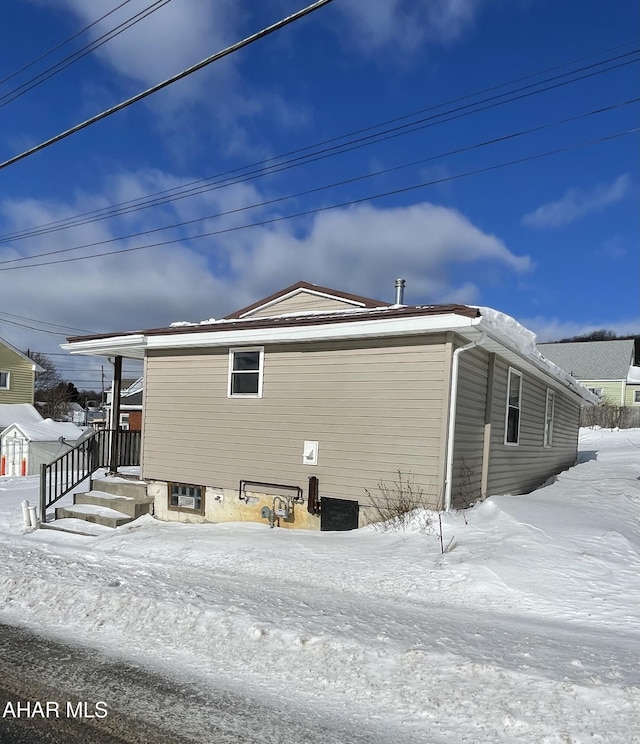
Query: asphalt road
[142,707]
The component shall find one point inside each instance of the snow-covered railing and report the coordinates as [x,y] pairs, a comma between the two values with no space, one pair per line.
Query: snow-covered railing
[66,472]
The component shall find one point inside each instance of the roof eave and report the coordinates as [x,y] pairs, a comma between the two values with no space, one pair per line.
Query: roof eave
[130,346]
[396,326]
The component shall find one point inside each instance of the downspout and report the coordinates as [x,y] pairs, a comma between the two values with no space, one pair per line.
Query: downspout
[453,404]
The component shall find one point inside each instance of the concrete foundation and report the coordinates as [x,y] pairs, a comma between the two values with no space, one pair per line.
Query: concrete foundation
[223,505]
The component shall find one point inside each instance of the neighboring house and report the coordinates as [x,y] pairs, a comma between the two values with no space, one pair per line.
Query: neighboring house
[605,367]
[313,397]
[76,414]
[130,404]
[17,375]
[26,446]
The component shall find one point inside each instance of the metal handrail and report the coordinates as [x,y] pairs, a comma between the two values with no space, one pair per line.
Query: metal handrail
[66,472]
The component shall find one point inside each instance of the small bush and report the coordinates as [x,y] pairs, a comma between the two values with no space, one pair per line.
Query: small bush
[400,505]
[609,416]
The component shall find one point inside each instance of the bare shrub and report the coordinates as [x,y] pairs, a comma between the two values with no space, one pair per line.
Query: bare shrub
[609,416]
[400,505]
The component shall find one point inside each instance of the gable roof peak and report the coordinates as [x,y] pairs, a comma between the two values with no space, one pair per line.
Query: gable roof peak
[353,300]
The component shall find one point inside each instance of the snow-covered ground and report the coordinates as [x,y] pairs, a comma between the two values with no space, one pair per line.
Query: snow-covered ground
[526,630]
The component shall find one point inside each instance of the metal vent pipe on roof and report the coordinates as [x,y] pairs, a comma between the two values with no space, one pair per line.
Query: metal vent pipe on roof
[400,284]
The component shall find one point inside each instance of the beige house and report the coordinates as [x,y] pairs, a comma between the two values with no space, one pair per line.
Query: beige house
[296,409]
[17,375]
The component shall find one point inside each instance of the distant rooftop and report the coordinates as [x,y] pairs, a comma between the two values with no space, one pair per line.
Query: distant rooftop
[592,360]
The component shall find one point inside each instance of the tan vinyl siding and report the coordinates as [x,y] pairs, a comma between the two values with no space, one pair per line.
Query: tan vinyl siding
[469,435]
[21,377]
[521,468]
[374,411]
[302,302]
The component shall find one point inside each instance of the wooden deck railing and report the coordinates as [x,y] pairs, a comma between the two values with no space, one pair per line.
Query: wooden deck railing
[66,472]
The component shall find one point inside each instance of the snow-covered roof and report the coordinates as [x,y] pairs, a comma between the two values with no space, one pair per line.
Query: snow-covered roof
[47,430]
[18,413]
[369,319]
[523,341]
[633,375]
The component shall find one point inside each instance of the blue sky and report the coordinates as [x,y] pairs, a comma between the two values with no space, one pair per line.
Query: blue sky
[552,240]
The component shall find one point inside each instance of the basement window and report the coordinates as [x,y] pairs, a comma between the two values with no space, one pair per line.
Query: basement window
[512,420]
[4,380]
[245,372]
[185,497]
[548,418]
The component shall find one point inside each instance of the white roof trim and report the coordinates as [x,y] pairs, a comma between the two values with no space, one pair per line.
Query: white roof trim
[131,347]
[136,345]
[287,334]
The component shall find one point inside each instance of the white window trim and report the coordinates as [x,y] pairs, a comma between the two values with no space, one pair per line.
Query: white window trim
[549,419]
[636,397]
[234,350]
[8,384]
[511,372]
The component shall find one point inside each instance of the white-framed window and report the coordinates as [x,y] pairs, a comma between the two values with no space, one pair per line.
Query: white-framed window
[245,372]
[512,415]
[548,418]
[185,496]
[636,396]
[4,379]
[597,391]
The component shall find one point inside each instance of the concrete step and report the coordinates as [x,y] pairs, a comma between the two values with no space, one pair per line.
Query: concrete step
[95,514]
[119,486]
[77,527]
[134,507]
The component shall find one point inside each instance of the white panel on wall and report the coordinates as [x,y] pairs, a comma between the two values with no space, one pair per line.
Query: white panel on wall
[310,453]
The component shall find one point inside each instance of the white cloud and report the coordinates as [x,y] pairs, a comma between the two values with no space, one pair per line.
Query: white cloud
[613,248]
[360,249]
[168,41]
[553,329]
[577,203]
[363,249]
[174,37]
[408,23]
[139,289]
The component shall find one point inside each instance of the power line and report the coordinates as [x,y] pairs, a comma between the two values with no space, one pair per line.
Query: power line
[43,322]
[366,176]
[62,43]
[351,202]
[262,168]
[33,328]
[169,81]
[63,64]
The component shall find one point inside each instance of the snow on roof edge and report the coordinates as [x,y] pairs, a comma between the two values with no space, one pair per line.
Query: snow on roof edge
[524,342]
